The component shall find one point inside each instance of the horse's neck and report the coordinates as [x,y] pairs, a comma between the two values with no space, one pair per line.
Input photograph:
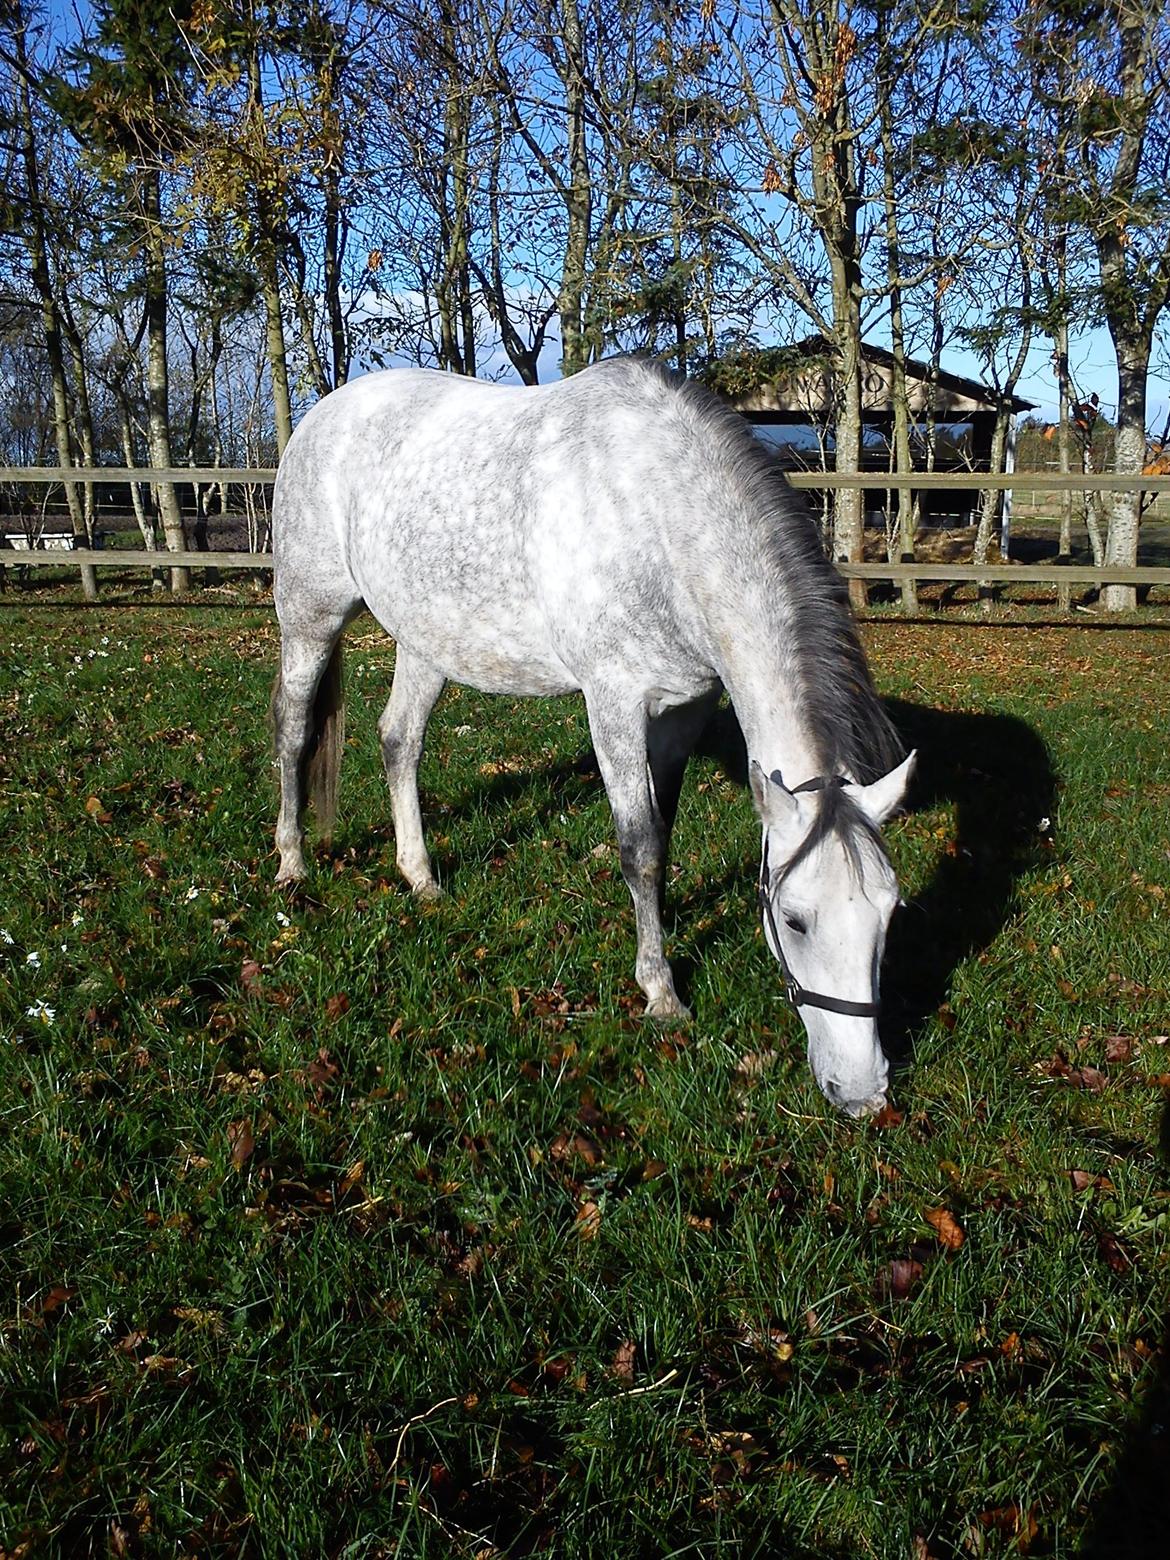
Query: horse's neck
[752,628]
[771,715]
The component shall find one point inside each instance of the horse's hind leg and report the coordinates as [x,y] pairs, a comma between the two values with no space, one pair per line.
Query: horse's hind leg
[618,726]
[403,728]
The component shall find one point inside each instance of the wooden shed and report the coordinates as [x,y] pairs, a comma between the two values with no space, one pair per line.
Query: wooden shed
[790,398]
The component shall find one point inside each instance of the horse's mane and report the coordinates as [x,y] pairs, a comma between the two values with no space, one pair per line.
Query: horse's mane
[838,816]
[846,717]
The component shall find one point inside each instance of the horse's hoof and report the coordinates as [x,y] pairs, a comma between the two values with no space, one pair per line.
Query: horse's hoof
[291,879]
[669,1009]
[427,892]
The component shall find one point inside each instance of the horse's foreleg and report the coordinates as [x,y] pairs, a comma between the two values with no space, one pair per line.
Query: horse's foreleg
[402,729]
[619,740]
[303,660]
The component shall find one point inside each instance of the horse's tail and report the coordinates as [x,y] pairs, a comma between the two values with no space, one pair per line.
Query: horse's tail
[326,744]
[324,741]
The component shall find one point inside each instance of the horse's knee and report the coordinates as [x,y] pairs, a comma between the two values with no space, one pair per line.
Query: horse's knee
[642,859]
[395,754]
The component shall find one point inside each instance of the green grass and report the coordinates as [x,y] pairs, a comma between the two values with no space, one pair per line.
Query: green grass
[349,1226]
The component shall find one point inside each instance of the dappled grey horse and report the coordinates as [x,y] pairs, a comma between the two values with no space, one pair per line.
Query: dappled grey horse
[620,533]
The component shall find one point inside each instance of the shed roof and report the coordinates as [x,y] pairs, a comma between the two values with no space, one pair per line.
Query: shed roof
[804,387]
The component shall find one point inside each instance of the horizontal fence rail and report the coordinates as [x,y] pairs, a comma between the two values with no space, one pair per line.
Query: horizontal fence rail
[123,558]
[973,481]
[875,481]
[940,573]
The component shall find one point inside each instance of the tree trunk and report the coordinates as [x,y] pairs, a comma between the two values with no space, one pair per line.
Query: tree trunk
[334,236]
[84,421]
[849,509]
[274,339]
[991,499]
[578,202]
[145,521]
[1063,452]
[157,373]
[37,244]
[1135,287]
[899,398]
[269,271]
[1121,546]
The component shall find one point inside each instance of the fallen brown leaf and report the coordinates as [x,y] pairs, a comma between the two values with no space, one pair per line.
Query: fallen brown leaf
[622,1367]
[1114,1253]
[59,1295]
[322,1071]
[577,1146]
[899,1278]
[588,1221]
[1020,1525]
[241,1142]
[946,1227]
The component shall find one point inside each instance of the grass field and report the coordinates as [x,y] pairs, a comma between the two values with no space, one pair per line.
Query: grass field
[349,1226]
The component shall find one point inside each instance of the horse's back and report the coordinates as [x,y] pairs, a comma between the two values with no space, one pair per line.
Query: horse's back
[516,536]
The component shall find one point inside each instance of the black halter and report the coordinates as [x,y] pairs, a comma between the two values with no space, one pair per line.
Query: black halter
[796,993]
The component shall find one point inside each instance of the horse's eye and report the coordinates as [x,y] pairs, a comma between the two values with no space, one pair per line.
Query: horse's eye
[794,924]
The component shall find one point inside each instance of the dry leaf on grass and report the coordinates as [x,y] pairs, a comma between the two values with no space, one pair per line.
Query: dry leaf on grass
[241,1142]
[946,1227]
[622,1368]
[588,1221]
[899,1278]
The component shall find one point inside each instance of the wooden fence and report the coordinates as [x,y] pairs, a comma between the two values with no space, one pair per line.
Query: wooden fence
[1054,573]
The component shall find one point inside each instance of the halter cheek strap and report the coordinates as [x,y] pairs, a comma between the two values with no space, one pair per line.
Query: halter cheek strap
[797,994]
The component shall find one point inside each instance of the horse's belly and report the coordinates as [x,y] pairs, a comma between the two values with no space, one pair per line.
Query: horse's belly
[474,645]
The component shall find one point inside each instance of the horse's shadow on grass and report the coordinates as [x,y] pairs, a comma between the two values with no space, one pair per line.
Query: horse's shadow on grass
[1129,1522]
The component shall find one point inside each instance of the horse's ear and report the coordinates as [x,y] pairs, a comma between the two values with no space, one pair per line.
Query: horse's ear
[883,798]
[759,783]
[775,803]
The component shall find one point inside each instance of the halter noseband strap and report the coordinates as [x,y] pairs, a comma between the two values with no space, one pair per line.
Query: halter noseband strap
[797,994]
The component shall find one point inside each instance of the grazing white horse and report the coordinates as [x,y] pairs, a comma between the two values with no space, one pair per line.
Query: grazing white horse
[621,533]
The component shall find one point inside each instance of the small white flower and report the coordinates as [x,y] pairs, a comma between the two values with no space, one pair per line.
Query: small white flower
[34,959]
[282,919]
[6,936]
[192,893]
[64,947]
[42,1012]
[1045,825]
[78,918]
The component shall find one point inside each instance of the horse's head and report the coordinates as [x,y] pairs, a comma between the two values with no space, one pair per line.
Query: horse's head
[827,892]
